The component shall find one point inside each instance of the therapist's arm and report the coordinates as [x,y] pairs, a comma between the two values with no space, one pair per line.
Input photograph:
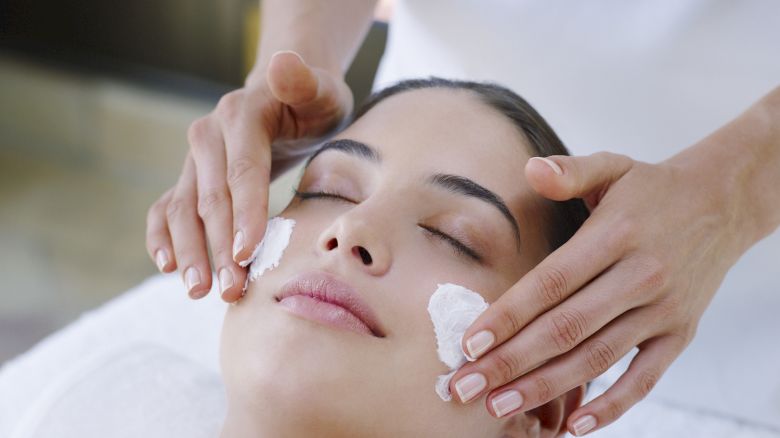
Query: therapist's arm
[639,273]
[288,103]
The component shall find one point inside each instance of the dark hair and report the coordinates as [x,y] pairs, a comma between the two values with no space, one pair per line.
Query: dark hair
[567,216]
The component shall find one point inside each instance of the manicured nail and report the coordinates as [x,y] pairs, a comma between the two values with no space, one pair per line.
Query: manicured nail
[506,402]
[161,258]
[238,243]
[584,425]
[191,279]
[553,165]
[478,344]
[225,280]
[469,386]
[289,51]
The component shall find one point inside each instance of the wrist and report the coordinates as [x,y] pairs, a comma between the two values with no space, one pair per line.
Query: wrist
[739,166]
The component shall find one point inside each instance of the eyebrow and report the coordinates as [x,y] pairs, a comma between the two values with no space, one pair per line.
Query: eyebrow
[453,183]
[350,147]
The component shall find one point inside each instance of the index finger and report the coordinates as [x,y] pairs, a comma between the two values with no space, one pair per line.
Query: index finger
[248,154]
[595,247]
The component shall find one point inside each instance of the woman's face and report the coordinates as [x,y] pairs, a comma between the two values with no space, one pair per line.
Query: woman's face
[414,198]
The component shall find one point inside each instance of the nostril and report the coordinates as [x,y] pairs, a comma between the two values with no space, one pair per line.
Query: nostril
[332,244]
[364,254]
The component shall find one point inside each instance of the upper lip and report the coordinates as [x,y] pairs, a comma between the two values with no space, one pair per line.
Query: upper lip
[328,288]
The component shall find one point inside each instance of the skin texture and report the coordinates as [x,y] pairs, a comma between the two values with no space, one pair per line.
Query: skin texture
[634,274]
[590,300]
[289,376]
[223,188]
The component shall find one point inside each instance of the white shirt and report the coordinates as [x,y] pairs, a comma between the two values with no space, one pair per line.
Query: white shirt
[643,78]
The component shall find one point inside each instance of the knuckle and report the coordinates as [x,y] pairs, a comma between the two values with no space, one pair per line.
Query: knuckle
[238,169]
[621,232]
[567,328]
[613,409]
[510,320]
[507,365]
[684,335]
[600,356]
[551,286]
[543,389]
[229,105]
[175,209]
[211,202]
[645,382]
[198,130]
[654,275]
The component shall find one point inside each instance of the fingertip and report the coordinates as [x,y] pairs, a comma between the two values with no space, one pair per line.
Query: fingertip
[547,177]
[197,282]
[290,79]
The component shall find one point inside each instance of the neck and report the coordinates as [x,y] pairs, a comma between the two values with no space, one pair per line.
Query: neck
[266,420]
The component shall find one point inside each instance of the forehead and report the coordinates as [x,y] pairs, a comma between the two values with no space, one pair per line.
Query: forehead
[447,130]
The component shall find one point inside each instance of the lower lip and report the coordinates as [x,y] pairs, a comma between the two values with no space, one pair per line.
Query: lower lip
[326,313]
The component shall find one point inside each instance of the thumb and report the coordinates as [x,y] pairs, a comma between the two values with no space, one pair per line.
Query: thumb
[305,88]
[562,177]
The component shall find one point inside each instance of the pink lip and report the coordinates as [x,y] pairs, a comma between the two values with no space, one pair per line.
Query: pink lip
[322,297]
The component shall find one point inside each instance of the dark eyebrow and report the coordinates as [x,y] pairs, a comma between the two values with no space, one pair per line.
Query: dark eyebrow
[464,186]
[348,146]
[453,183]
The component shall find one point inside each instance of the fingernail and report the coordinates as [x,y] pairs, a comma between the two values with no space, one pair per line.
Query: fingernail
[238,243]
[191,279]
[469,386]
[161,258]
[290,51]
[478,344]
[225,280]
[506,402]
[553,165]
[584,425]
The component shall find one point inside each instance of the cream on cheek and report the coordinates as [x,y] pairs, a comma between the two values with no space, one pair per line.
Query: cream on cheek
[452,309]
[268,252]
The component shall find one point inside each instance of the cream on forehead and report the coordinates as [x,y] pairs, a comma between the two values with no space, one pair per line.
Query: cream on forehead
[452,309]
[267,254]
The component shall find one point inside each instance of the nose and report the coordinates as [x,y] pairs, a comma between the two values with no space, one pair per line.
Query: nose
[359,244]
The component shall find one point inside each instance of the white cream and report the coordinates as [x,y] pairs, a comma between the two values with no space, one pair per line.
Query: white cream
[452,309]
[268,252]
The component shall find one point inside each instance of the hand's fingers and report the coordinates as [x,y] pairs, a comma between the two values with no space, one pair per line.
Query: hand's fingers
[654,357]
[311,92]
[248,153]
[189,243]
[561,177]
[579,366]
[566,326]
[158,238]
[589,252]
[214,204]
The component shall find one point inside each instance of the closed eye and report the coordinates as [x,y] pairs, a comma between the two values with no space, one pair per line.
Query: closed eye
[459,247]
[321,195]
[456,244]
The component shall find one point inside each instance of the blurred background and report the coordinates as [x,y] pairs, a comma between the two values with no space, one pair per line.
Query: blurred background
[95,101]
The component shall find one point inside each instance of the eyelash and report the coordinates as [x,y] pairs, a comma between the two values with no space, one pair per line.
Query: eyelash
[457,245]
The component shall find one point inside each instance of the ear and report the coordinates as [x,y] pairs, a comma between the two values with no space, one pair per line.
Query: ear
[546,421]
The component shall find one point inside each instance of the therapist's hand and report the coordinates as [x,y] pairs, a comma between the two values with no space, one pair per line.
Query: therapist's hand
[221,196]
[639,273]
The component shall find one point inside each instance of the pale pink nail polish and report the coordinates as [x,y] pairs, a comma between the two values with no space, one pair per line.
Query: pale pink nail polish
[191,279]
[470,385]
[161,258]
[238,243]
[478,344]
[551,164]
[584,425]
[506,402]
